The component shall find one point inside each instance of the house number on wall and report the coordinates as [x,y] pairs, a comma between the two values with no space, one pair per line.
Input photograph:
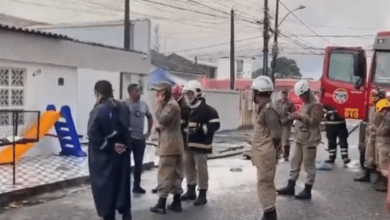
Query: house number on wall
[37,72]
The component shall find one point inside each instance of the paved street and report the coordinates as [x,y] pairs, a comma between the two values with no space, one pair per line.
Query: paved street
[233,196]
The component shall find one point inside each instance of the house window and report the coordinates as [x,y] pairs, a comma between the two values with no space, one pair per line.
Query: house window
[12,81]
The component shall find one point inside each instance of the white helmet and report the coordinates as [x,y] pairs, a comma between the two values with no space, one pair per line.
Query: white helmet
[301,87]
[263,84]
[195,87]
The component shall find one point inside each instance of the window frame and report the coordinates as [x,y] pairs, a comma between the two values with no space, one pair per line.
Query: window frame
[353,67]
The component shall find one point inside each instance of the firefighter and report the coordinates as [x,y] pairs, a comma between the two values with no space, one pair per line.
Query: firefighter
[336,127]
[368,153]
[170,150]
[185,114]
[203,122]
[383,144]
[307,137]
[285,107]
[266,145]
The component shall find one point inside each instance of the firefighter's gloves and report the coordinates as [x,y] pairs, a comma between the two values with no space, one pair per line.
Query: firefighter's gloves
[372,128]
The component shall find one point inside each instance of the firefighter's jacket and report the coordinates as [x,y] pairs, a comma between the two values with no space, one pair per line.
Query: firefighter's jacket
[203,123]
[171,140]
[307,130]
[267,128]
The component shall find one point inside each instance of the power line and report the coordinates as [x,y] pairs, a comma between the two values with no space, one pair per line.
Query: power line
[185,9]
[335,36]
[214,45]
[303,23]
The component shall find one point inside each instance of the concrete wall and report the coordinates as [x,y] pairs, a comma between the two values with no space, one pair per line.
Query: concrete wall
[86,79]
[110,33]
[227,103]
[223,69]
[38,49]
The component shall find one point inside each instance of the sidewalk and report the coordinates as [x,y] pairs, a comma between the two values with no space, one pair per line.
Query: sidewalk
[47,173]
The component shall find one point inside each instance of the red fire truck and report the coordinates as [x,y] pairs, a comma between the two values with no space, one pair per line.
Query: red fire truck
[346,85]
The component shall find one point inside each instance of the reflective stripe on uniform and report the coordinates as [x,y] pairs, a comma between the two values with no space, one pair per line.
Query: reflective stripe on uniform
[105,140]
[197,145]
[192,124]
[344,151]
[204,129]
[215,120]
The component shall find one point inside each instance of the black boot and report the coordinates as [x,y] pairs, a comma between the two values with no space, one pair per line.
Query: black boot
[160,208]
[202,198]
[126,215]
[331,160]
[138,189]
[289,190]
[190,194]
[305,194]
[109,217]
[155,190]
[346,160]
[363,177]
[176,204]
[286,152]
[269,215]
[381,185]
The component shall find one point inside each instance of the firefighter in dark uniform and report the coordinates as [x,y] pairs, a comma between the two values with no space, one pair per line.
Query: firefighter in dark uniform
[203,123]
[336,127]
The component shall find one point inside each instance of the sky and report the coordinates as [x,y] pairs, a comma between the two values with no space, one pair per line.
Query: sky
[202,27]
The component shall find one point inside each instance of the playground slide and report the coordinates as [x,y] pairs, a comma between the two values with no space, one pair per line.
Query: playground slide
[47,121]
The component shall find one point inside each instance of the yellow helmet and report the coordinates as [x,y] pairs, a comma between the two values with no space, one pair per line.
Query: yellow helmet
[381,104]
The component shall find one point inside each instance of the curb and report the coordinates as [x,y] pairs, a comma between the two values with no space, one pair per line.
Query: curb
[23,194]
[230,154]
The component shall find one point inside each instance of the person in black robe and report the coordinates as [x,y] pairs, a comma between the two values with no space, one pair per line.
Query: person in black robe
[109,154]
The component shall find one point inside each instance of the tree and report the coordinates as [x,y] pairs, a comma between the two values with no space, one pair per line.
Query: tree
[285,68]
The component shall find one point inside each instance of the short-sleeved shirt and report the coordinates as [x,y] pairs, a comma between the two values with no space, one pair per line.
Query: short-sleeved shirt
[138,111]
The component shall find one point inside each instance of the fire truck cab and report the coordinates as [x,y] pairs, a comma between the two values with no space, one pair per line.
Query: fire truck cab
[346,84]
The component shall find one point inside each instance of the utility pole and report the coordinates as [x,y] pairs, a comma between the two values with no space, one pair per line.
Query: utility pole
[265,39]
[275,48]
[127,25]
[157,38]
[232,56]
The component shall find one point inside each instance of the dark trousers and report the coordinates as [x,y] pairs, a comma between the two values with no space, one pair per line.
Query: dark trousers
[334,131]
[138,147]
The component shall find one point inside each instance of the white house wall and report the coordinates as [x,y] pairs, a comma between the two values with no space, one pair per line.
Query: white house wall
[38,49]
[107,34]
[227,103]
[41,88]
[223,69]
[86,79]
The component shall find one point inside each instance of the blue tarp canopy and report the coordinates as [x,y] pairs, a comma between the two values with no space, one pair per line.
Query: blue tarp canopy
[163,75]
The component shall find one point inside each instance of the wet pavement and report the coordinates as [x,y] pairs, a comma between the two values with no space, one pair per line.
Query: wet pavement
[233,196]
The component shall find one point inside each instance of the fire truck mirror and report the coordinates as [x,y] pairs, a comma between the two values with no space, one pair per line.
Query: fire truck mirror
[360,64]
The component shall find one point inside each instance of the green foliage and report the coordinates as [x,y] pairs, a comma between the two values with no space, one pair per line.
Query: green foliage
[285,68]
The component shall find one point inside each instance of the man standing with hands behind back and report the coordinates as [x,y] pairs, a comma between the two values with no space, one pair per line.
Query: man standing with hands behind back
[138,111]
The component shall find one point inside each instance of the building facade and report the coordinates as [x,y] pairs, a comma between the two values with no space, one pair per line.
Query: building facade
[37,69]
